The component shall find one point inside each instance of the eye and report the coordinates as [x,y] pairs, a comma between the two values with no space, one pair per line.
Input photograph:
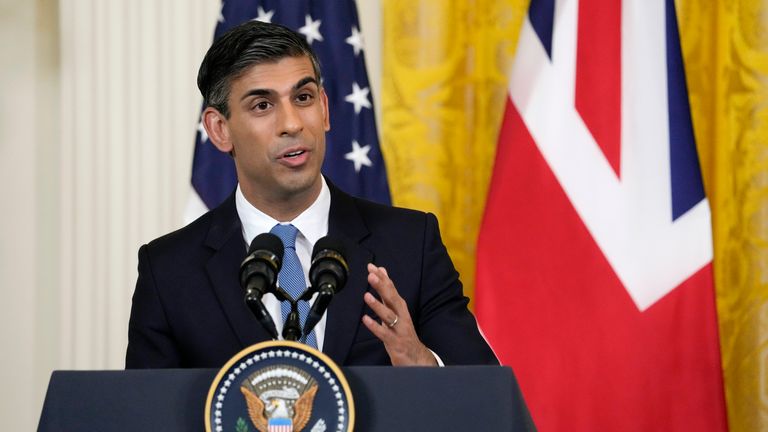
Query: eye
[262,106]
[305,98]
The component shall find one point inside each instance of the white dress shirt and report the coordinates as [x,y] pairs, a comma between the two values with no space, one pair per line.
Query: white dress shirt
[312,225]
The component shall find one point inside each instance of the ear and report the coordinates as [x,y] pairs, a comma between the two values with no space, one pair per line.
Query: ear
[216,127]
[326,112]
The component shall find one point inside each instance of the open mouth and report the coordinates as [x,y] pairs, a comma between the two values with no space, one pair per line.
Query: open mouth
[294,154]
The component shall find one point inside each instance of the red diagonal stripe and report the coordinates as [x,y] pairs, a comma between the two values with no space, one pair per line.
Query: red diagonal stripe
[598,75]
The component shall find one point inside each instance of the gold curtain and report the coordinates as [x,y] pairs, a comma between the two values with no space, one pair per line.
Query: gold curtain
[725,47]
[444,88]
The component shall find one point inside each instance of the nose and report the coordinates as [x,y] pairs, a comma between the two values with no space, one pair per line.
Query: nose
[289,119]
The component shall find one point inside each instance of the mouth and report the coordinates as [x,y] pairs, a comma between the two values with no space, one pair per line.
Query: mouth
[294,158]
[294,154]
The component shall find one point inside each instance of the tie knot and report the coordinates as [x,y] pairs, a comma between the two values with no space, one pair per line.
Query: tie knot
[287,234]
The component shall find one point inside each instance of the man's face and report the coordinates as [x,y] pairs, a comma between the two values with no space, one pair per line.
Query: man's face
[276,129]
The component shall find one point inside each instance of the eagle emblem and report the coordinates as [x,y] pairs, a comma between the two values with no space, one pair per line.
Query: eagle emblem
[279,398]
[279,386]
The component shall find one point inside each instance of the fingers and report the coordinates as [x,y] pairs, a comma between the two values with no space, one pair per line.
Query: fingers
[380,330]
[392,307]
[380,281]
[388,310]
[400,340]
[395,327]
[384,313]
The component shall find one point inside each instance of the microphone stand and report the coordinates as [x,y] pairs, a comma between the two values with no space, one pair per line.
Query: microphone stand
[260,312]
[317,310]
[292,327]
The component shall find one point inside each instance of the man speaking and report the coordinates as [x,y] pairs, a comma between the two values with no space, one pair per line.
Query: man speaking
[402,303]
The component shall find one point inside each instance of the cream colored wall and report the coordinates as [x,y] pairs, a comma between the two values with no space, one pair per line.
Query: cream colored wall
[29,267]
[19,236]
[98,107]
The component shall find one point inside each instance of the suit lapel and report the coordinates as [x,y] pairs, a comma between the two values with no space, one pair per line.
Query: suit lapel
[346,309]
[226,239]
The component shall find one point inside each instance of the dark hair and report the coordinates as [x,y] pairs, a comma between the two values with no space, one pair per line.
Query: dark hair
[242,47]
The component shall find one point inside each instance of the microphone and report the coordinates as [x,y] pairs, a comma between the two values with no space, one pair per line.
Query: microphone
[258,274]
[327,275]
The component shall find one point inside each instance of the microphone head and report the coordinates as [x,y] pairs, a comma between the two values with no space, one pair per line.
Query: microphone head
[328,243]
[268,242]
[329,267]
[264,259]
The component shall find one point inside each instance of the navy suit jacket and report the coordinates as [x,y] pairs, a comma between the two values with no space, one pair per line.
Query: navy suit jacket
[188,308]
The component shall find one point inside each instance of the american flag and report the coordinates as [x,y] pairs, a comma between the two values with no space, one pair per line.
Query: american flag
[353,159]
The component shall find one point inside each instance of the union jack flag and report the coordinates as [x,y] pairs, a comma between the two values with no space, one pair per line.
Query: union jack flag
[594,276]
[353,159]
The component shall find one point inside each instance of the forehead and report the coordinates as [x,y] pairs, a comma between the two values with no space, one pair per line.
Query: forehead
[280,75]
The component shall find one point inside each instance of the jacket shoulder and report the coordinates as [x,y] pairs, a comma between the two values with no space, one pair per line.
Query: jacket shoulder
[211,229]
[193,233]
[387,214]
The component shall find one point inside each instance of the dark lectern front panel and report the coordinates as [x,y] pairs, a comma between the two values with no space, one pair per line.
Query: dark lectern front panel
[386,399]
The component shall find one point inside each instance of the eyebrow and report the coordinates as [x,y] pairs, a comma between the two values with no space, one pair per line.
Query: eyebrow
[266,92]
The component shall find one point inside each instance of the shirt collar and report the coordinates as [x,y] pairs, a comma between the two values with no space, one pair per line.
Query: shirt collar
[312,223]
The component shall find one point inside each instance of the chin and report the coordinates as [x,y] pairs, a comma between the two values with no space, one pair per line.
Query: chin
[300,184]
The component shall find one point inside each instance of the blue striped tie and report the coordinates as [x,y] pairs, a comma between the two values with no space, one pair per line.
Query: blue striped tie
[291,277]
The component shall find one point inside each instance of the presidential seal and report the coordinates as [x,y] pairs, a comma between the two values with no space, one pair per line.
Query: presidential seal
[279,387]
